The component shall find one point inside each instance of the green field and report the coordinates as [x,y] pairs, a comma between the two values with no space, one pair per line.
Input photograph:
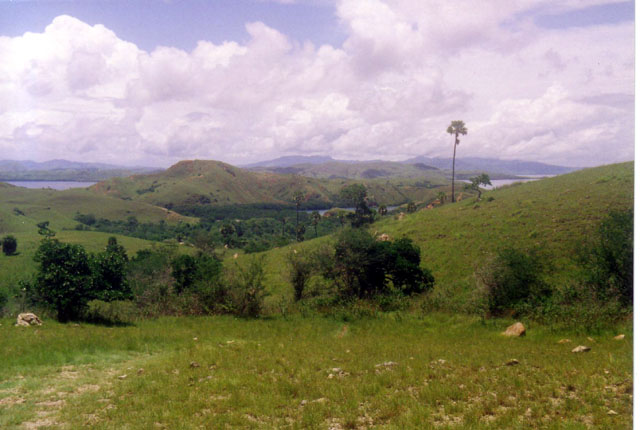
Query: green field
[407,371]
[293,368]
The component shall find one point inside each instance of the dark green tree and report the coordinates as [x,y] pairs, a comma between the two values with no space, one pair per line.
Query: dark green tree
[456,128]
[227,231]
[300,231]
[9,245]
[411,207]
[315,219]
[356,195]
[476,182]
[43,229]
[298,198]
[109,273]
[64,280]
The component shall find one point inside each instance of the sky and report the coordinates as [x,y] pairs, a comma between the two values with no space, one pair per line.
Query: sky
[152,82]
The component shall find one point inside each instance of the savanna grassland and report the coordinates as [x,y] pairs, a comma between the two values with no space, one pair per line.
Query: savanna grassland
[437,360]
[396,371]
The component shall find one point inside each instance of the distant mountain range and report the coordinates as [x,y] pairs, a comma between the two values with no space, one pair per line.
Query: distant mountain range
[323,166]
[494,165]
[63,170]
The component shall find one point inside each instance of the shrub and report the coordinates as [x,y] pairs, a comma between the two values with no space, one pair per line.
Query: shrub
[149,276]
[512,279]
[246,288]
[64,278]
[608,261]
[109,273]
[9,245]
[364,267]
[300,270]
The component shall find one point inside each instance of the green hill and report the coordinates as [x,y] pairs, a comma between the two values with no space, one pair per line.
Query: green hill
[553,214]
[206,182]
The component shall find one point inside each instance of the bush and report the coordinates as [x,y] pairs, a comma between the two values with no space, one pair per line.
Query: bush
[246,288]
[513,279]
[64,278]
[149,275]
[9,245]
[608,261]
[300,270]
[364,267]
[109,273]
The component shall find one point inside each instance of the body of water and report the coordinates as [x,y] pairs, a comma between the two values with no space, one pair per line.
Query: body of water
[497,183]
[323,211]
[54,185]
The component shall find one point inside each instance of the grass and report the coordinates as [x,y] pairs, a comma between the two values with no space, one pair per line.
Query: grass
[555,215]
[435,371]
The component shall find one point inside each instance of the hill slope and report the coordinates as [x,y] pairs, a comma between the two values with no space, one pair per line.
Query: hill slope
[553,214]
[206,182]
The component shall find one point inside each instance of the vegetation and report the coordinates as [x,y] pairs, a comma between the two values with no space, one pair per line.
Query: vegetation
[456,128]
[476,182]
[404,372]
[9,245]
[363,267]
[68,278]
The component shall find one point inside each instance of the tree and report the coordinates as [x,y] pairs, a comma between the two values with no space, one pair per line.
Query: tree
[298,198]
[382,210]
[64,279]
[356,195]
[109,273]
[43,229]
[9,245]
[227,231]
[364,267]
[442,196]
[476,181]
[411,207]
[456,128]
[315,219]
[300,231]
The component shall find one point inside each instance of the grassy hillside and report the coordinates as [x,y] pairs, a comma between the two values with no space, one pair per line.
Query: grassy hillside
[553,214]
[203,182]
[59,208]
[430,372]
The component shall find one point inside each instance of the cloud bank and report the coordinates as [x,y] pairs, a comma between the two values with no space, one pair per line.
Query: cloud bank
[405,70]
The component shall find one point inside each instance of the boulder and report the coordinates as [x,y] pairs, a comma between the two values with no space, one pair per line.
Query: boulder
[619,337]
[581,348]
[515,330]
[28,319]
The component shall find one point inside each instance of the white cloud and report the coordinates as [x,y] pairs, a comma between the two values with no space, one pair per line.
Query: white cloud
[404,72]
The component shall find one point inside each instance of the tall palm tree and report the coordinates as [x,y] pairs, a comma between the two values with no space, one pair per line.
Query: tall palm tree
[455,128]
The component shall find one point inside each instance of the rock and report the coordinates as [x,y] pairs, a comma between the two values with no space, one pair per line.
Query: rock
[612,412]
[383,238]
[140,371]
[515,330]
[619,337]
[387,365]
[512,362]
[581,348]
[337,372]
[122,377]
[28,319]
[564,341]
[194,364]
[590,339]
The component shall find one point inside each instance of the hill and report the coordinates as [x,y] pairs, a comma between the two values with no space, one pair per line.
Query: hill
[63,170]
[554,214]
[493,166]
[361,170]
[216,184]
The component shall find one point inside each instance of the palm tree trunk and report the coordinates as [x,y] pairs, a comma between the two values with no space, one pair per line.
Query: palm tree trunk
[453,174]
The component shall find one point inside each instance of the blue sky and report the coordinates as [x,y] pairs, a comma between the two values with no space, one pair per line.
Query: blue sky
[152,82]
